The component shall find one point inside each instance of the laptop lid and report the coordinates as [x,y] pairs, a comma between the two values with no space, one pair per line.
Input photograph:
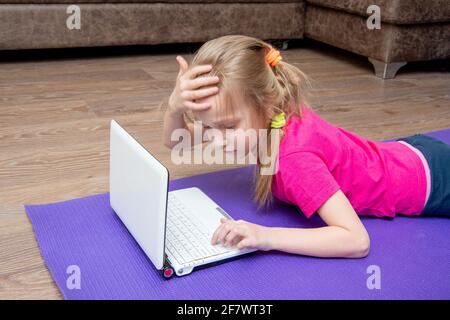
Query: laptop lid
[138,185]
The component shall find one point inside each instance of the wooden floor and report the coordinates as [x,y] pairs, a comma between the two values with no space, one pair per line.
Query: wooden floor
[55,113]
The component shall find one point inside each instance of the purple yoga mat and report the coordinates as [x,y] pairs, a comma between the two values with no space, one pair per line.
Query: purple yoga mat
[412,253]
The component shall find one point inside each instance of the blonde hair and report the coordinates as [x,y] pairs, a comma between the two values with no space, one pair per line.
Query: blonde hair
[240,63]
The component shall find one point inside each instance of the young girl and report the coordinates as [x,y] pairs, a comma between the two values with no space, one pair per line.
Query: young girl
[239,82]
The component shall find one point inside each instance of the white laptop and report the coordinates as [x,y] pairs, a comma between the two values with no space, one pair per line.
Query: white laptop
[174,228]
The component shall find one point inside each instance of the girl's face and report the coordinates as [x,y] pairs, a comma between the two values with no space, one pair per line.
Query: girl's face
[239,128]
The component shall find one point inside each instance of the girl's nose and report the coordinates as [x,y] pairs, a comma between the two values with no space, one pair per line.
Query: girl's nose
[220,140]
[216,139]
[229,147]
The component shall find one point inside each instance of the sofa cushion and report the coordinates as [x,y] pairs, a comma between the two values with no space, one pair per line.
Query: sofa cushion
[391,43]
[32,26]
[395,11]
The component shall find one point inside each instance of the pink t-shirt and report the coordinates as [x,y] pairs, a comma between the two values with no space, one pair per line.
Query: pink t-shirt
[317,158]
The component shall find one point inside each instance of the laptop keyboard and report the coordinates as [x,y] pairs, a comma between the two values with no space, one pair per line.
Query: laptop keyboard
[187,238]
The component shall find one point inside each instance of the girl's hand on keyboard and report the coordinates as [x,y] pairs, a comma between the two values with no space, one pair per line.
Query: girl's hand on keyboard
[241,234]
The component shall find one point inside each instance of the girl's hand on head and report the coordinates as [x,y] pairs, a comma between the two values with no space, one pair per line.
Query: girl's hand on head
[190,87]
[241,234]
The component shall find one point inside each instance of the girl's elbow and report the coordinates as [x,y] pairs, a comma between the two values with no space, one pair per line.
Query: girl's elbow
[167,144]
[362,247]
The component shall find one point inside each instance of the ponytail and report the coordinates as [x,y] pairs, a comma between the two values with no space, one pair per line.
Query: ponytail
[292,88]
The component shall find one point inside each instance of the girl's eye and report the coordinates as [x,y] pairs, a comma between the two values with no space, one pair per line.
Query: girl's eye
[229,126]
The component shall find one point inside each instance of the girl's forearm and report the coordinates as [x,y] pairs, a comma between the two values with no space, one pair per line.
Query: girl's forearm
[329,241]
[172,121]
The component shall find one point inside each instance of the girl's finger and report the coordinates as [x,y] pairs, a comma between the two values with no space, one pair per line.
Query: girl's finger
[236,232]
[199,94]
[236,240]
[226,228]
[183,65]
[197,70]
[242,231]
[197,106]
[243,244]
[216,234]
[200,82]
[232,235]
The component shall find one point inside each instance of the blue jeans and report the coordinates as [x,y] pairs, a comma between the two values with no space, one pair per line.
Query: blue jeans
[437,154]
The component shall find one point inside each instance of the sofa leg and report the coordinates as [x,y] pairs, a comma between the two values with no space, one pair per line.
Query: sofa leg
[386,70]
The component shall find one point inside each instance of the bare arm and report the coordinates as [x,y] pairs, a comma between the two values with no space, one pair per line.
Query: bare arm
[345,236]
[174,120]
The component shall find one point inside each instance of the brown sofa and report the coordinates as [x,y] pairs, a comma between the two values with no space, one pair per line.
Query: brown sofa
[411,30]
[26,24]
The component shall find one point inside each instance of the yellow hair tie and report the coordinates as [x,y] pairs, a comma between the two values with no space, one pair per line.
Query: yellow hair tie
[278,121]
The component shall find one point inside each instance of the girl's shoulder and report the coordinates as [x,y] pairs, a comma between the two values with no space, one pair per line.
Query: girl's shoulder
[307,132]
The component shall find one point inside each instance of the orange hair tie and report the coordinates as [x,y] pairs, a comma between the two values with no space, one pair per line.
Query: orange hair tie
[273,57]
